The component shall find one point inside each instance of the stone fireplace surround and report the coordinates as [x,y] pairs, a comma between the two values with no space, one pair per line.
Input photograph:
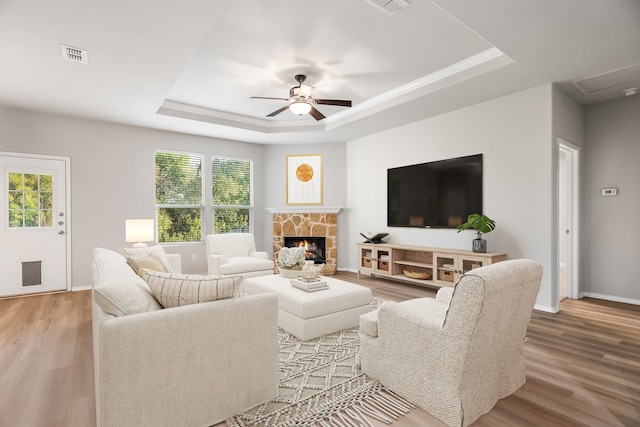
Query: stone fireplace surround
[307,222]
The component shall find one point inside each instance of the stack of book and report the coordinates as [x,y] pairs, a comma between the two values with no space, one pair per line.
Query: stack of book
[309,285]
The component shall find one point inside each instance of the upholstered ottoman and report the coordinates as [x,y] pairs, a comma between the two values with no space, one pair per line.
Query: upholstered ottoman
[308,315]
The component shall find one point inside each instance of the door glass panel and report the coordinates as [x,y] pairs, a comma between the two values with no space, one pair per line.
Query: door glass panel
[30,199]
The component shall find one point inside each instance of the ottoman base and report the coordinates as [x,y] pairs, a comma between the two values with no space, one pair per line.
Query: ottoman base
[308,315]
[307,329]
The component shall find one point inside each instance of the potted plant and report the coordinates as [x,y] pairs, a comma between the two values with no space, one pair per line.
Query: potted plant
[482,224]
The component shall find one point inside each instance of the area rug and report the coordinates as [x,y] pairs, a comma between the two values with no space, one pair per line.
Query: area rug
[321,384]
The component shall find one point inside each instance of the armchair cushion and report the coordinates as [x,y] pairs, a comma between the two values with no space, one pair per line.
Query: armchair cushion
[173,290]
[244,264]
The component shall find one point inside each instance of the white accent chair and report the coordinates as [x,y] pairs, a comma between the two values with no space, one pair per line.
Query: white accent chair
[456,355]
[235,254]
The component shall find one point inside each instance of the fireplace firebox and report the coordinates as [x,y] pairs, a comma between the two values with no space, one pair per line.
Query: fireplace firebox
[315,247]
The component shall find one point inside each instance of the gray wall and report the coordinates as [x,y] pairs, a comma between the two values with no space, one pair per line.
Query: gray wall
[334,180]
[515,135]
[609,247]
[112,176]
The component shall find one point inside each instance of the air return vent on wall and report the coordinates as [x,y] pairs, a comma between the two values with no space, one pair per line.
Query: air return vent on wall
[389,7]
[74,54]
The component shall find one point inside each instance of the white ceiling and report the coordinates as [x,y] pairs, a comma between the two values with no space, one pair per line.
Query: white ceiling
[192,65]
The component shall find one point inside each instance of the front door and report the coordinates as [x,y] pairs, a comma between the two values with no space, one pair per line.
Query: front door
[34,244]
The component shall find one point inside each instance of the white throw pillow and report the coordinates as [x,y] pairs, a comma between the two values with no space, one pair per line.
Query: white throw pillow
[173,289]
[144,251]
[149,262]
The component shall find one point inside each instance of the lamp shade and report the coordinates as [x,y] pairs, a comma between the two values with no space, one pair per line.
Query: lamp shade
[139,231]
[300,108]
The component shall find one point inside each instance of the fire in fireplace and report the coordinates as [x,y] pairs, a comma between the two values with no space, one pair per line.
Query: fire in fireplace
[315,247]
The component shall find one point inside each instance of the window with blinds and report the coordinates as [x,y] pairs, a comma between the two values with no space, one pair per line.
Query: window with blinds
[232,201]
[179,196]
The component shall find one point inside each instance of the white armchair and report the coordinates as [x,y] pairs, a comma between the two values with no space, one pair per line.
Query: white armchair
[235,254]
[456,355]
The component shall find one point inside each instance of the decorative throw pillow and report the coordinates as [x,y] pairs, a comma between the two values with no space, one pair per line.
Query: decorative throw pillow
[173,289]
[144,251]
[149,262]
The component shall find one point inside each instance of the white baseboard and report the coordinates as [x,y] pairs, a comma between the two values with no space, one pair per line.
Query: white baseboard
[81,288]
[545,308]
[610,298]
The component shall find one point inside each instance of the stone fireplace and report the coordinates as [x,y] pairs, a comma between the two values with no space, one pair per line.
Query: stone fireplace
[313,223]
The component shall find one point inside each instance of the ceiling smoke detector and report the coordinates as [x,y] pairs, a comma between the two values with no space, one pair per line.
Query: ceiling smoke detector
[631,91]
[75,54]
[390,7]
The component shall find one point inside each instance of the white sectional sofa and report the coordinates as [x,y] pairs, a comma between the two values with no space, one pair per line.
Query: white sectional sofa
[192,365]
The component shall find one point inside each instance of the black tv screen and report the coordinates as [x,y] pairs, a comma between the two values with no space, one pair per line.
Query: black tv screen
[435,194]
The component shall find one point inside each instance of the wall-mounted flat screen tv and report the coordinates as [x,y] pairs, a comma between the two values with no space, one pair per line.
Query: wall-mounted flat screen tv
[434,194]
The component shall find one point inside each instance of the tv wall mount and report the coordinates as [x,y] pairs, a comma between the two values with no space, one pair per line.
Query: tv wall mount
[375,238]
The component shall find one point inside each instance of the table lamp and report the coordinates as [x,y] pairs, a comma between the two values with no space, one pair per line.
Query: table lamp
[139,231]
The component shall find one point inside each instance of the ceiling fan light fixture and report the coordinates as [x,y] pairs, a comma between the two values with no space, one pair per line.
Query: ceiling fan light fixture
[300,108]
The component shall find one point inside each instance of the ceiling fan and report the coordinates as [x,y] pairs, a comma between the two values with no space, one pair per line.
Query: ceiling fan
[301,101]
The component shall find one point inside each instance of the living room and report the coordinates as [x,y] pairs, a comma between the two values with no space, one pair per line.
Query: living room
[111,160]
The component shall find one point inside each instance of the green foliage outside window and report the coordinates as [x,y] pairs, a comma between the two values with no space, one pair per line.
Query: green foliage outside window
[30,200]
[179,197]
[179,200]
[231,180]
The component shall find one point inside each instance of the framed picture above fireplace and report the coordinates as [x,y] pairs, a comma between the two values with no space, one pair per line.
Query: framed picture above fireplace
[304,179]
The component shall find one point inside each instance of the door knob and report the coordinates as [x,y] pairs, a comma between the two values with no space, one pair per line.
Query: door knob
[60,231]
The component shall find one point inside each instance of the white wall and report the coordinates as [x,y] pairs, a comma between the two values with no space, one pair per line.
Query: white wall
[515,135]
[609,247]
[112,176]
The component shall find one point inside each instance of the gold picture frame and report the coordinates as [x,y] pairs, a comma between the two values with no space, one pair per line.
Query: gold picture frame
[304,179]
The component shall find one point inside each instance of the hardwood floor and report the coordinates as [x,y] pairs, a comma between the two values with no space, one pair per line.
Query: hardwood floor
[583,364]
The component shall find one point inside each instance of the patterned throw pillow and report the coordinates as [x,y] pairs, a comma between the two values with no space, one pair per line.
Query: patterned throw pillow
[173,290]
[141,252]
[149,262]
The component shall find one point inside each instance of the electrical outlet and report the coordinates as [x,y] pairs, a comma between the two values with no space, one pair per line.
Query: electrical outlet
[194,258]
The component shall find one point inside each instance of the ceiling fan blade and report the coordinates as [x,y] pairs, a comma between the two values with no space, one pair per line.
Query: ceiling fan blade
[278,111]
[316,114]
[338,102]
[267,97]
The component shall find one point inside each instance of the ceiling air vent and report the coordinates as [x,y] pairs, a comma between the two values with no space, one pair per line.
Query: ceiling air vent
[389,7]
[74,54]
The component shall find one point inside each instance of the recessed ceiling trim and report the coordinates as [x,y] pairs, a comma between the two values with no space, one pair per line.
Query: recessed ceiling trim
[483,62]
[208,115]
[467,68]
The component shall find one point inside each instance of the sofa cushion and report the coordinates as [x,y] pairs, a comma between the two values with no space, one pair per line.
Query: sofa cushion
[173,290]
[117,290]
[245,264]
[144,251]
[149,262]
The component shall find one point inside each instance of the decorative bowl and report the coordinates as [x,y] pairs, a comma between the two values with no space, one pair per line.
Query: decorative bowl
[422,275]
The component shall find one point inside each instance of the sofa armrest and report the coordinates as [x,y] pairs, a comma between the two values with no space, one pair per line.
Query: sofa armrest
[444,295]
[192,365]
[176,262]
[214,262]
[259,254]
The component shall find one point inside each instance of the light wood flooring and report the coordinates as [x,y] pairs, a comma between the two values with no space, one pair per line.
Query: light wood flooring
[583,364]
